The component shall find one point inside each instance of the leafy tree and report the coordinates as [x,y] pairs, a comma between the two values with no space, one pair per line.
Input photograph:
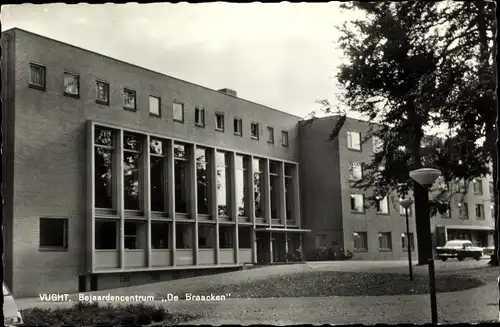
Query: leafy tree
[390,77]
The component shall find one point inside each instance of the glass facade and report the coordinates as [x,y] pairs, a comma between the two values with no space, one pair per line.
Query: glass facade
[202,181]
[223,183]
[258,186]
[181,175]
[241,186]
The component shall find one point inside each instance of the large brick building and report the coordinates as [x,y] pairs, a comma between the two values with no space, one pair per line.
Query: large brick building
[118,175]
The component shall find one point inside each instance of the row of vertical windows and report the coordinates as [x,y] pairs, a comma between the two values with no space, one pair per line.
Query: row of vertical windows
[105,177]
[72,88]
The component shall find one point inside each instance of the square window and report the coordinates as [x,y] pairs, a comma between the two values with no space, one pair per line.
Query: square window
[37,76]
[463,209]
[71,84]
[254,127]
[354,141]
[102,92]
[383,206]
[237,125]
[384,241]
[360,241]
[404,241]
[355,171]
[358,203]
[270,135]
[321,241]
[129,99]
[54,233]
[199,116]
[284,138]
[219,122]
[154,106]
[178,111]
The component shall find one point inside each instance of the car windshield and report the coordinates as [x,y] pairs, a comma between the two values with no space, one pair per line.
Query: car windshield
[5,290]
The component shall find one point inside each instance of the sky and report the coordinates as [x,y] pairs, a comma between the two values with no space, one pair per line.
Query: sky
[280,55]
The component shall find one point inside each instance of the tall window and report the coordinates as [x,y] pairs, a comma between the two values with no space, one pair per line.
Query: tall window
[241,185]
[321,241]
[383,205]
[131,165]
[184,236]
[238,126]
[129,99]
[284,138]
[154,106]
[270,135]
[178,111]
[355,171]
[199,116]
[181,172]
[354,141]
[223,183]
[408,240]
[377,144]
[135,235]
[254,128]
[384,241]
[478,186]
[54,233]
[37,76]
[463,210]
[102,92]
[360,240]
[219,121]
[447,212]
[158,181]
[258,185]
[160,233]
[244,237]
[274,179]
[402,211]
[206,236]
[203,181]
[289,189]
[106,234]
[479,211]
[71,84]
[226,237]
[358,203]
[103,167]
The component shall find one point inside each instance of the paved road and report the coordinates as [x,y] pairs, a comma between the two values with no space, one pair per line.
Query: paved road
[473,305]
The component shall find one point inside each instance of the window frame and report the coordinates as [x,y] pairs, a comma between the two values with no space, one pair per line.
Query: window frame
[285,136]
[270,136]
[358,234]
[379,212]
[483,215]
[318,241]
[351,165]
[474,183]
[257,127]
[239,122]
[44,70]
[350,204]
[217,115]
[202,116]
[72,95]
[97,100]
[349,141]
[389,242]
[175,102]
[377,141]
[125,90]
[64,247]
[159,106]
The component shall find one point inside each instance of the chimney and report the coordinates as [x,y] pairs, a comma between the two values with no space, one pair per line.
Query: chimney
[228,92]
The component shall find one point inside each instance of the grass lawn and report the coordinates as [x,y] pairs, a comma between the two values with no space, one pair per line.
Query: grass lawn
[334,283]
[82,314]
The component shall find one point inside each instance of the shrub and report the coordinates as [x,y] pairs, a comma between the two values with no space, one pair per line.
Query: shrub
[93,314]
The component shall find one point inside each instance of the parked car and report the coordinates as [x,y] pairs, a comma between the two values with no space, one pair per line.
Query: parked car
[12,316]
[459,249]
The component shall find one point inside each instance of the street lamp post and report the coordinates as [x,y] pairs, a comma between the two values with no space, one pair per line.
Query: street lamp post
[426,177]
[406,204]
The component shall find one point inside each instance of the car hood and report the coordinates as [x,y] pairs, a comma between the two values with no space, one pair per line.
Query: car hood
[9,307]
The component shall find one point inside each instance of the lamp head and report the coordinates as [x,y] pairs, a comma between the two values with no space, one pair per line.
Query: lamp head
[425,176]
[406,203]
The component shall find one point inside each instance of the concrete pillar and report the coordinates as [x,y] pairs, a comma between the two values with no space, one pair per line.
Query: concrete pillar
[169,165]
[212,173]
[193,199]
[146,199]
[234,203]
[120,203]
